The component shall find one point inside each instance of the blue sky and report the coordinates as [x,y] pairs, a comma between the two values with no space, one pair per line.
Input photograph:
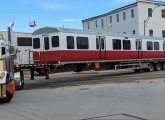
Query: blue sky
[54,13]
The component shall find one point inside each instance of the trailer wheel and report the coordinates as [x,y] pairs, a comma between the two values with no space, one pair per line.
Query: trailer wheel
[7,98]
[163,66]
[158,67]
[151,67]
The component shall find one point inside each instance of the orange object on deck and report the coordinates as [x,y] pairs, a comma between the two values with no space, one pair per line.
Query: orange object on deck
[97,66]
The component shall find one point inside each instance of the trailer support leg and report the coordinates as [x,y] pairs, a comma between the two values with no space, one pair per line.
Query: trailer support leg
[46,74]
[32,74]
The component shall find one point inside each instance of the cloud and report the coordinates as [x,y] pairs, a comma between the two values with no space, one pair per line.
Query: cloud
[70,20]
[54,7]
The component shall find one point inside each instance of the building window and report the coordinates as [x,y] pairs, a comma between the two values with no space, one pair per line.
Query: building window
[88,26]
[24,41]
[132,13]
[156,45]
[116,44]
[149,12]
[96,23]
[133,32]
[117,17]
[163,13]
[102,23]
[151,33]
[110,19]
[82,43]
[149,45]
[55,41]
[36,43]
[124,16]
[70,42]
[163,33]
[126,45]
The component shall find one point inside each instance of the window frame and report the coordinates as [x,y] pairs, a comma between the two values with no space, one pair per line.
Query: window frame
[150,11]
[156,47]
[24,41]
[110,19]
[46,43]
[79,42]
[125,46]
[150,46]
[163,33]
[151,33]
[55,44]
[70,46]
[114,45]
[163,13]
[132,13]
[102,23]
[124,16]
[117,18]
[38,45]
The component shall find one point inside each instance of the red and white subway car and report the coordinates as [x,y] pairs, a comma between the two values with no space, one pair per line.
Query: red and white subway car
[71,45]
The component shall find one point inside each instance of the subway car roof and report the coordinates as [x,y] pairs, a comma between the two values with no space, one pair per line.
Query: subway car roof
[48,30]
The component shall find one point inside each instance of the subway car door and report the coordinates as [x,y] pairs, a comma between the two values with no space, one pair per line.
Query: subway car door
[101,46]
[164,48]
[139,48]
[46,43]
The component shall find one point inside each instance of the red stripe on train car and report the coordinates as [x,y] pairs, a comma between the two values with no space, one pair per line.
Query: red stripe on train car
[77,55]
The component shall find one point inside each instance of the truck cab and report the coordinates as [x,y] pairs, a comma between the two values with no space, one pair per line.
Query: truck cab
[7,84]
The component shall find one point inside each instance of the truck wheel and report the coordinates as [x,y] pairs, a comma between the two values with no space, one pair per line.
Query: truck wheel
[151,67]
[7,98]
[158,67]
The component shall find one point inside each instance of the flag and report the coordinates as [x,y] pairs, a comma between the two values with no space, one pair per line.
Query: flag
[32,23]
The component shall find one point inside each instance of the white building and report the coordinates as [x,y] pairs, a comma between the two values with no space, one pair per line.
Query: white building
[23,42]
[144,17]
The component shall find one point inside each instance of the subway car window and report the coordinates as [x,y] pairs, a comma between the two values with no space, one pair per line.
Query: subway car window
[24,41]
[46,41]
[156,46]
[97,43]
[70,42]
[126,45]
[36,43]
[55,41]
[82,43]
[116,44]
[102,43]
[149,45]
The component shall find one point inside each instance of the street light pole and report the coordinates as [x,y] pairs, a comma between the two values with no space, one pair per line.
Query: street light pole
[148,18]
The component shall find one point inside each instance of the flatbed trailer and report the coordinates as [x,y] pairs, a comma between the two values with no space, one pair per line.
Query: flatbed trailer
[149,65]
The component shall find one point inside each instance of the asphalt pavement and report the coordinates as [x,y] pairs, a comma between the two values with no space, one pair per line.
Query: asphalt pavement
[140,100]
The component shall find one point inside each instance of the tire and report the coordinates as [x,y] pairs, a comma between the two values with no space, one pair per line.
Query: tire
[163,66]
[7,99]
[151,67]
[21,82]
[158,67]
